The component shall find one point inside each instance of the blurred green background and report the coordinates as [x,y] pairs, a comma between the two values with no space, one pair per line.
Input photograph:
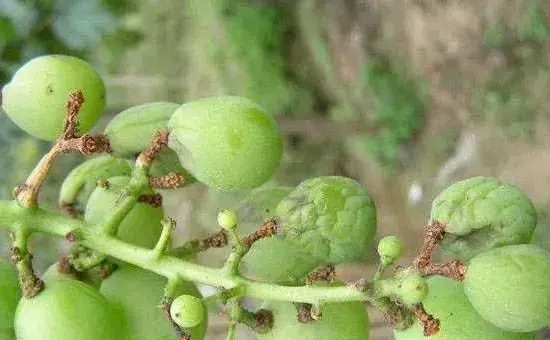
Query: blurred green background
[405,96]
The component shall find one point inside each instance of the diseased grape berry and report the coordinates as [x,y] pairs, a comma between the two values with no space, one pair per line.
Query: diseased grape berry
[36,98]
[332,218]
[187,311]
[141,226]
[138,293]
[509,287]
[447,302]
[482,213]
[227,143]
[10,293]
[68,309]
[275,260]
[339,321]
[389,249]
[131,130]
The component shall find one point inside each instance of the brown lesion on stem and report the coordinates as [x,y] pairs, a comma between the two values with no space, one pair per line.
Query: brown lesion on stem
[217,240]
[326,273]
[30,283]
[180,333]
[267,229]
[172,180]
[69,141]
[154,200]
[431,325]
[435,233]
[159,140]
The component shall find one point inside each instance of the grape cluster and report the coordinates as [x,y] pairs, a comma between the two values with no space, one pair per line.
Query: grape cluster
[228,144]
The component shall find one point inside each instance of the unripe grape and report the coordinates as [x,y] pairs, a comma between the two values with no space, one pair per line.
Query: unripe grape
[9,297]
[260,204]
[187,311]
[447,302]
[332,218]
[227,220]
[482,213]
[413,289]
[131,130]
[138,293]
[141,226]
[68,309]
[227,143]
[339,321]
[509,287]
[389,249]
[36,98]
[275,260]
[82,180]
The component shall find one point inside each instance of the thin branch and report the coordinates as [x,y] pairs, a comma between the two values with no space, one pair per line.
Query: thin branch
[172,180]
[267,229]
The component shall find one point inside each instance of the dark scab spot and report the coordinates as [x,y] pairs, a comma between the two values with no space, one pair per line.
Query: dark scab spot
[49,89]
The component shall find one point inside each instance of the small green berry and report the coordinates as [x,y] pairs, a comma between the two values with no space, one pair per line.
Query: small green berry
[390,249]
[413,289]
[227,219]
[187,311]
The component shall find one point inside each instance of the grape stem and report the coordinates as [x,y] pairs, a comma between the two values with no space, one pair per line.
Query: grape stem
[435,233]
[172,180]
[31,284]
[27,193]
[193,247]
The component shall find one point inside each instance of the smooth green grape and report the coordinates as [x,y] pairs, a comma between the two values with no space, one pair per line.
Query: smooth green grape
[447,302]
[92,278]
[275,260]
[82,180]
[141,226]
[339,321]
[482,213]
[187,311]
[227,219]
[138,293]
[131,130]
[413,289]
[260,204]
[36,98]
[389,249]
[227,143]
[509,287]
[332,218]
[68,309]
[10,293]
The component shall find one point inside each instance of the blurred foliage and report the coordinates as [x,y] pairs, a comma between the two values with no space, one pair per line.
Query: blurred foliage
[75,27]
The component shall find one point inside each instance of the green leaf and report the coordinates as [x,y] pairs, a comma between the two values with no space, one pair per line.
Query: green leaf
[81,24]
[22,15]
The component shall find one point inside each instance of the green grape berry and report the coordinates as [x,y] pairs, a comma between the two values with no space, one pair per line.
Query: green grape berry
[131,130]
[137,293]
[141,226]
[413,289]
[10,293]
[509,287]
[36,98]
[68,309]
[82,180]
[389,249]
[332,218]
[447,302]
[227,143]
[482,213]
[227,219]
[339,321]
[260,204]
[187,311]
[275,260]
